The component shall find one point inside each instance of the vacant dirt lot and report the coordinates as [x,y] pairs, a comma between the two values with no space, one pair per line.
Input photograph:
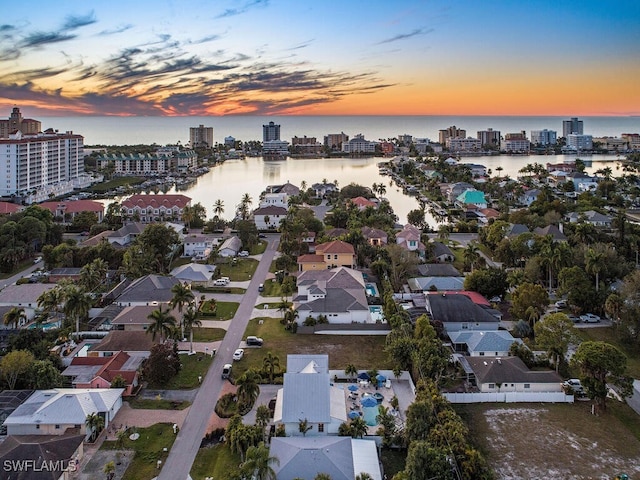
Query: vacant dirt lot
[552,441]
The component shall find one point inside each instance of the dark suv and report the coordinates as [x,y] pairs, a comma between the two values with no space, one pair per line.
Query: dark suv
[254,341]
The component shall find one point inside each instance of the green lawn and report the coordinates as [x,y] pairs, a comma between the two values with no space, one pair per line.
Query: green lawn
[237,290]
[239,271]
[201,334]
[216,462]
[154,404]
[224,311]
[272,289]
[259,248]
[115,183]
[365,352]
[192,367]
[148,450]
[607,334]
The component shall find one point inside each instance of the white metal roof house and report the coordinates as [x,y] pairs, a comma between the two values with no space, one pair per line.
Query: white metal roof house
[307,394]
[230,247]
[52,412]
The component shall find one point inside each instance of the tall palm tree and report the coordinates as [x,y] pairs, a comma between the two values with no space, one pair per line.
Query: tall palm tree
[93,274]
[190,320]
[94,422]
[594,264]
[50,300]
[270,363]
[162,324]
[471,255]
[351,371]
[218,207]
[14,316]
[182,295]
[257,463]
[76,304]
[188,215]
[248,387]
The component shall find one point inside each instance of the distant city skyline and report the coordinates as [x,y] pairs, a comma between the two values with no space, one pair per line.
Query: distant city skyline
[269,57]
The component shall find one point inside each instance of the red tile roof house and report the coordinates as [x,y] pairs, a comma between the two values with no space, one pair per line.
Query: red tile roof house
[337,254]
[155,208]
[68,210]
[99,372]
[363,203]
[7,208]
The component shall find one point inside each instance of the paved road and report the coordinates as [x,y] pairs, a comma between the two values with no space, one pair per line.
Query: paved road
[185,448]
[11,280]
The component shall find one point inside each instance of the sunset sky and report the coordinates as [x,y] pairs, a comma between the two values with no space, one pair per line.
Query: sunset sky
[297,57]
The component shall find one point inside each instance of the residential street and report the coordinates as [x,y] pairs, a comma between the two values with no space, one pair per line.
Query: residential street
[185,448]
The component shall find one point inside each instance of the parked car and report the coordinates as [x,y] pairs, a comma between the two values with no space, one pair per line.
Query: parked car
[226,371]
[573,385]
[37,260]
[590,318]
[262,235]
[574,318]
[226,280]
[254,341]
[238,354]
[219,282]
[261,287]
[561,304]
[243,253]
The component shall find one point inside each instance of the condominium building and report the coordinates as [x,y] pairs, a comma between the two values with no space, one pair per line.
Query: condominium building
[359,144]
[335,140]
[271,131]
[148,164]
[469,144]
[16,122]
[489,137]
[515,142]
[633,139]
[544,137]
[305,145]
[579,142]
[451,132]
[41,165]
[572,126]
[201,136]
[275,149]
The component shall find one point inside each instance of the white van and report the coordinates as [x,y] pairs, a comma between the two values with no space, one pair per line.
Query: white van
[226,280]
[219,282]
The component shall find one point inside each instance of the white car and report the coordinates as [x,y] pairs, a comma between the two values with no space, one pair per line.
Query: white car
[590,318]
[561,304]
[238,354]
[243,253]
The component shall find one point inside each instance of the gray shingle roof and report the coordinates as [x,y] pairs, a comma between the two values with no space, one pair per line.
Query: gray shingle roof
[509,370]
[149,289]
[489,341]
[305,457]
[457,308]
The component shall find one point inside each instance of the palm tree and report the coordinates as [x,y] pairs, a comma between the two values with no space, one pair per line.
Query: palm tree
[471,255]
[95,423]
[594,264]
[358,427]
[162,324]
[93,274]
[270,363]
[189,321]
[110,469]
[218,207]
[182,295]
[248,387]
[50,300]
[263,417]
[351,371]
[76,304]
[188,215]
[257,463]
[14,316]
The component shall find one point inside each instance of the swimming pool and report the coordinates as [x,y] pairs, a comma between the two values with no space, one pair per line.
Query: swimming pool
[371,289]
[45,326]
[376,313]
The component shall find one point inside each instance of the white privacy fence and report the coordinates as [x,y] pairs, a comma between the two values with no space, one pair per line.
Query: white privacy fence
[509,397]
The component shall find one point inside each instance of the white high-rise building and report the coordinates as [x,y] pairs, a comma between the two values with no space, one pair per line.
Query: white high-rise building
[38,166]
[201,136]
[544,137]
[579,142]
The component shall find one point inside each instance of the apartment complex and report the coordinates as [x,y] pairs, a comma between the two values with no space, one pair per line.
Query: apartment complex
[146,164]
[16,122]
[359,144]
[38,166]
[489,137]
[516,142]
[450,132]
[572,126]
[305,145]
[544,137]
[579,142]
[201,136]
[335,140]
[461,144]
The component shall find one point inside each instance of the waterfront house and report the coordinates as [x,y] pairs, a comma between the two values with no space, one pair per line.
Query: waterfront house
[52,412]
[362,203]
[453,191]
[471,197]
[322,189]
[338,294]
[269,218]
[154,208]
